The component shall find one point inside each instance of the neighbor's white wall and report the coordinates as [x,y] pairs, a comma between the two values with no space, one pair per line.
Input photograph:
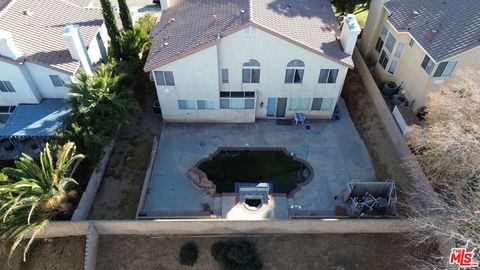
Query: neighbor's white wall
[274,53]
[40,75]
[197,76]
[94,50]
[25,89]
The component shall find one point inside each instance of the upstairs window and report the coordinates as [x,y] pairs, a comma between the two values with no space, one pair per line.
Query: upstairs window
[164,78]
[6,86]
[427,64]
[411,43]
[445,69]
[294,73]
[399,51]
[390,42]
[328,76]
[224,75]
[381,39]
[251,71]
[57,82]
[383,60]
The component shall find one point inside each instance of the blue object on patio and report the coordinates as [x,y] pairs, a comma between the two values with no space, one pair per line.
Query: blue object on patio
[299,117]
[337,114]
[36,120]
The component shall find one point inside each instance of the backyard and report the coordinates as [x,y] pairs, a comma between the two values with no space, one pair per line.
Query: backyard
[320,251]
[49,254]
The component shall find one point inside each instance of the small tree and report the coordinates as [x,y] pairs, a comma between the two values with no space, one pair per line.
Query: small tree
[236,255]
[125,15]
[188,254]
[112,29]
[345,6]
[147,22]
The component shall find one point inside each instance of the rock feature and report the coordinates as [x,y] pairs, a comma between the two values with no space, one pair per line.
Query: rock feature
[200,179]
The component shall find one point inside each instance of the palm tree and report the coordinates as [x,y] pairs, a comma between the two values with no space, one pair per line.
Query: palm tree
[100,104]
[32,193]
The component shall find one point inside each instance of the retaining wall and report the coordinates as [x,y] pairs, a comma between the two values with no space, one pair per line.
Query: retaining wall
[148,175]
[85,204]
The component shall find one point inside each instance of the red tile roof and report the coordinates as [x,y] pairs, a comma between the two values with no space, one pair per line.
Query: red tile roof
[39,35]
[190,25]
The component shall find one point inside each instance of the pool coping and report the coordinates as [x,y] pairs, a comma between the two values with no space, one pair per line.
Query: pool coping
[264,149]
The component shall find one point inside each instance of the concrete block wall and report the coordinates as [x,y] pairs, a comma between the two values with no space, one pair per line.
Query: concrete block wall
[85,204]
[418,177]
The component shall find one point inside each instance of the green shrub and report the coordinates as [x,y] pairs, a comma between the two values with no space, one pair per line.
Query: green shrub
[188,254]
[236,255]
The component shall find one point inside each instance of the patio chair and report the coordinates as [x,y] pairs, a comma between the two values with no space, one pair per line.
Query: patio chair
[299,117]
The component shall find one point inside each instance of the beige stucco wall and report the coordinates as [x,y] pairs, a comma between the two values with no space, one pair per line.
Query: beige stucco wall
[198,76]
[418,85]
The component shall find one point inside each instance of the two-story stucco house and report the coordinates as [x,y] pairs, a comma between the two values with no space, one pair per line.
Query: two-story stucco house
[422,44]
[241,60]
[43,44]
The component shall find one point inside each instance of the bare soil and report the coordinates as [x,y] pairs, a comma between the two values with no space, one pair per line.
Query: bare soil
[56,253]
[387,163]
[119,193]
[321,251]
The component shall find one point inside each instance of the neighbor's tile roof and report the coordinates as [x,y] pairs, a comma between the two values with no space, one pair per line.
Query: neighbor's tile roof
[39,36]
[190,25]
[456,22]
[81,3]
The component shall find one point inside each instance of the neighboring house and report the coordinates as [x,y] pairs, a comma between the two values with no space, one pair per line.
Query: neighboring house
[240,60]
[422,44]
[43,44]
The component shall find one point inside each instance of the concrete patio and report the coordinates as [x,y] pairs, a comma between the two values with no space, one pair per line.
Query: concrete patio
[334,150]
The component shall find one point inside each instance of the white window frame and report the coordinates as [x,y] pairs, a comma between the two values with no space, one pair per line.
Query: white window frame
[7,87]
[238,100]
[399,50]
[447,70]
[387,44]
[209,104]
[62,83]
[190,104]
[225,77]
[329,78]
[393,66]
[299,104]
[429,66]
[325,104]
[161,74]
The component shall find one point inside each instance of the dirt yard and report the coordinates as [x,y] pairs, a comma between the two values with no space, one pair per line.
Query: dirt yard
[119,193]
[321,251]
[49,254]
[387,163]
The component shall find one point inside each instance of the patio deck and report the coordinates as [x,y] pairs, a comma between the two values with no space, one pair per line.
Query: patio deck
[334,150]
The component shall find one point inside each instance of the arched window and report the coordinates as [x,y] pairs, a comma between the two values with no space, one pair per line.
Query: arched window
[251,63]
[294,72]
[251,71]
[296,63]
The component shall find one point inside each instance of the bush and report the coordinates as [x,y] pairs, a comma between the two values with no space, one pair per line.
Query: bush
[236,255]
[188,254]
